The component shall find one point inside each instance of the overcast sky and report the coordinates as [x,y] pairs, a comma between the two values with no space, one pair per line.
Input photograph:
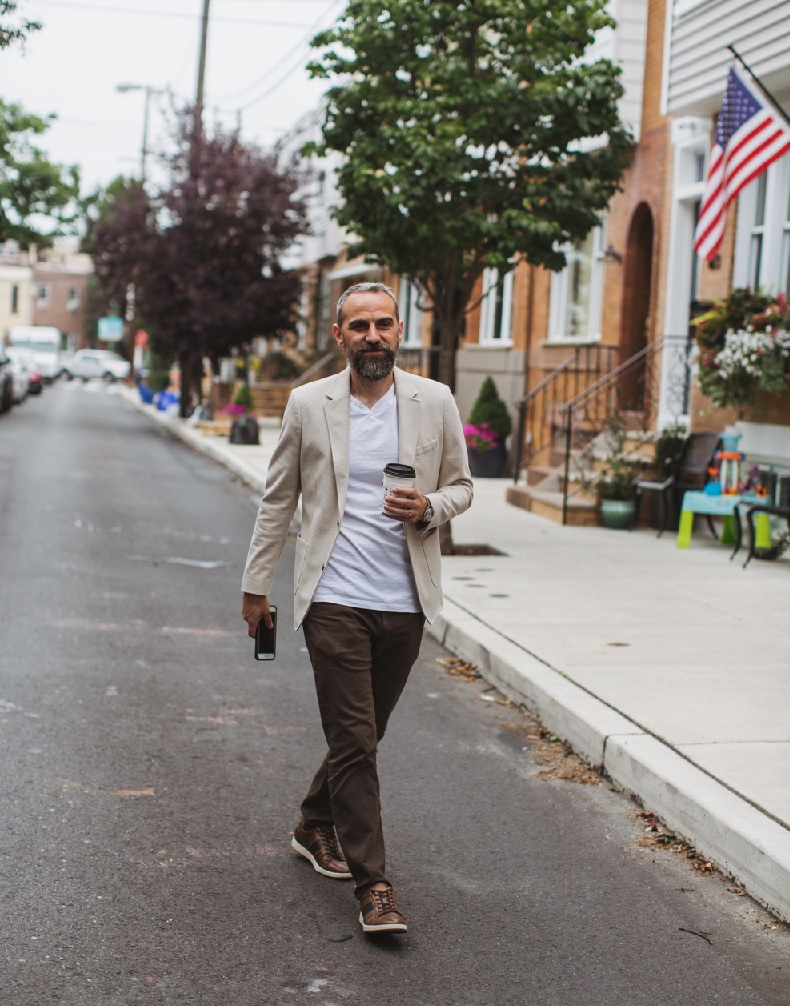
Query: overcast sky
[257,50]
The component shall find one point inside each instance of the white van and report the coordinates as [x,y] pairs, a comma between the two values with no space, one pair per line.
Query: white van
[44,341]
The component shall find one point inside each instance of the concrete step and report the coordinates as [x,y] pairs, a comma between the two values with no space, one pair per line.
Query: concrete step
[546,503]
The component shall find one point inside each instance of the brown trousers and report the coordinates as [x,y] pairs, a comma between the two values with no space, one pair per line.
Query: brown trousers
[361,661]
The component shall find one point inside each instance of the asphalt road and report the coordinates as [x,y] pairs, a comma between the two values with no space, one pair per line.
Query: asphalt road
[152,772]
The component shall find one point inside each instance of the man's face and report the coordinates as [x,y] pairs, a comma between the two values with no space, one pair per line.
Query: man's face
[370,334]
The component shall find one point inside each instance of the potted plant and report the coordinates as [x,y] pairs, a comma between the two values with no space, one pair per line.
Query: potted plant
[244,428]
[486,430]
[613,481]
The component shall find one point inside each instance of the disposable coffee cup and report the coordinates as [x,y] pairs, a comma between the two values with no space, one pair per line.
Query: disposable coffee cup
[396,474]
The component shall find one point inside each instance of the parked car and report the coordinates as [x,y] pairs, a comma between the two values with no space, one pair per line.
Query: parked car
[25,360]
[6,382]
[21,385]
[103,363]
[44,342]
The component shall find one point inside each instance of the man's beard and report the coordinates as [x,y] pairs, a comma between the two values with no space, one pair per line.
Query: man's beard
[371,363]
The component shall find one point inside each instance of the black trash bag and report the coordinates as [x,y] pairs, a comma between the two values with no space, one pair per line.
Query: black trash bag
[244,430]
[203,413]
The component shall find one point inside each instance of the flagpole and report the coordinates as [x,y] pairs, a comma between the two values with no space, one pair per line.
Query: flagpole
[760,84]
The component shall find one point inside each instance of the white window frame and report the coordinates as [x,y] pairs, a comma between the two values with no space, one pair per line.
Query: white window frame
[774,265]
[300,328]
[784,266]
[558,304]
[74,299]
[411,315]
[489,334]
[42,295]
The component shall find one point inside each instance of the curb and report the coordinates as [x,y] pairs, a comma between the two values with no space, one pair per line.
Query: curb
[738,838]
[251,475]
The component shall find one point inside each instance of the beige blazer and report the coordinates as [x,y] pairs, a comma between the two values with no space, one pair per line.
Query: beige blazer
[311,459]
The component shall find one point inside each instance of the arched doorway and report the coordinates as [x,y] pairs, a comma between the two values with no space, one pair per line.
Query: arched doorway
[637,290]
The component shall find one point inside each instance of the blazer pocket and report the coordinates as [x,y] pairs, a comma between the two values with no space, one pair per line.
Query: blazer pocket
[424,448]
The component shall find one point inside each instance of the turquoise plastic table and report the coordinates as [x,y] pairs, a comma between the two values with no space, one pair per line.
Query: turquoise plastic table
[696,501]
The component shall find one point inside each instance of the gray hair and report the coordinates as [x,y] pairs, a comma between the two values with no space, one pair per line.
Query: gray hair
[365,288]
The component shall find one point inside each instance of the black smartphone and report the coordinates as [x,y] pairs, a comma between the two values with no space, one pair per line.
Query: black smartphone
[266,638]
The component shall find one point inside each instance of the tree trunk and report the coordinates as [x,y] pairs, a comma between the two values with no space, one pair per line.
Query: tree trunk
[185,365]
[449,313]
[446,544]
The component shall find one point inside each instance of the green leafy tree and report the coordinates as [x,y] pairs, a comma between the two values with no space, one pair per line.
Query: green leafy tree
[38,199]
[12,27]
[473,133]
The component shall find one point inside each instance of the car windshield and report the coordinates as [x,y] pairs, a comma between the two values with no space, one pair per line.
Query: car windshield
[44,347]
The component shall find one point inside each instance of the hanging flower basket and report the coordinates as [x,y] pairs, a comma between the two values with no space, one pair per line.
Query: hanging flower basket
[744,348]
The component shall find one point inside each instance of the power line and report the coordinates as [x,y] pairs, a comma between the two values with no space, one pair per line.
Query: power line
[274,86]
[111,9]
[300,45]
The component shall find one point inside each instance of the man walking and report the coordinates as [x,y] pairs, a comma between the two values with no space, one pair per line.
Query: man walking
[365,576]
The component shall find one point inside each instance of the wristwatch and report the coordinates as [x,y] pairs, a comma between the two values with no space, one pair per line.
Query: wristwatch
[428,516]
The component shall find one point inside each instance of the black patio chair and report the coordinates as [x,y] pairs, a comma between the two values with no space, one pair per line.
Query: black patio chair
[754,508]
[688,471]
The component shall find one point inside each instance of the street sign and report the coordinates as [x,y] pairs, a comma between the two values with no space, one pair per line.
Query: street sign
[111,329]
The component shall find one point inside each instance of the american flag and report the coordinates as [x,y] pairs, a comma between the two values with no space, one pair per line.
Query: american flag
[750,136]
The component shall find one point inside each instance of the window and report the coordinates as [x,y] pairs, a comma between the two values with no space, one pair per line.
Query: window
[411,315]
[15,299]
[757,233]
[496,308]
[784,275]
[43,295]
[762,240]
[576,292]
[73,302]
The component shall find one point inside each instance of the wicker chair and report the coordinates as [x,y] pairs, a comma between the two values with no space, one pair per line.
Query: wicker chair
[688,471]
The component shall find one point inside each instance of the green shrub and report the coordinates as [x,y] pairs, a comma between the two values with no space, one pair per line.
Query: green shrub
[490,410]
[243,396]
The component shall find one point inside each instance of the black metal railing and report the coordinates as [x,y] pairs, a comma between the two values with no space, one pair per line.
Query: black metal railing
[540,415]
[327,365]
[420,360]
[633,390]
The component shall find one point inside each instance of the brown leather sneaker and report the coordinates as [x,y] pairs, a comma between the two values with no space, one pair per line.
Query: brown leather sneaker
[379,911]
[321,847]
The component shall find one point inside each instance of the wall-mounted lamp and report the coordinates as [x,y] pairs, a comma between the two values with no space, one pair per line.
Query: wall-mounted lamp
[612,255]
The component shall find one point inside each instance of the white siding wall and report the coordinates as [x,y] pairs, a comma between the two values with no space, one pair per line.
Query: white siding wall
[700,34]
[625,45]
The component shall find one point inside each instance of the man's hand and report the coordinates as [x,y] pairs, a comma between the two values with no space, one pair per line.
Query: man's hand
[254,608]
[406,505]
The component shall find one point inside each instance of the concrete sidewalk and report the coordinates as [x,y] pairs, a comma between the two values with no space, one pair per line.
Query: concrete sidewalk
[667,668]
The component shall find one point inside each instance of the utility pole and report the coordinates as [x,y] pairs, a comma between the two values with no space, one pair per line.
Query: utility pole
[201,77]
[191,368]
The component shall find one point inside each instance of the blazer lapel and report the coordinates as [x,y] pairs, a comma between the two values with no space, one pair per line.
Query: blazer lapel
[336,413]
[409,407]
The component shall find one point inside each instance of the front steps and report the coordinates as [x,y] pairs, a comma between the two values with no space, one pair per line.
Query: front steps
[546,503]
[541,492]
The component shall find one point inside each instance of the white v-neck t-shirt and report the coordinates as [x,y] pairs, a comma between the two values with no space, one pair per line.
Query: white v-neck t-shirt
[369,566]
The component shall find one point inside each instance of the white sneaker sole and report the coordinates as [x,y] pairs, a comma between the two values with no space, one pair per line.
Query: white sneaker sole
[298,847]
[387,927]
